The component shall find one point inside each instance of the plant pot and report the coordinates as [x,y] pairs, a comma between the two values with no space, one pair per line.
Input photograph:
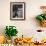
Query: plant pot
[43,23]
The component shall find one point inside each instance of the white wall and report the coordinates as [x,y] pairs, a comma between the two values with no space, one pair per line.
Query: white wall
[26,27]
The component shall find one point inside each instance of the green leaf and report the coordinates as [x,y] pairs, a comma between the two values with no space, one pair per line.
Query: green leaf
[10,31]
[45,16]
[40,18]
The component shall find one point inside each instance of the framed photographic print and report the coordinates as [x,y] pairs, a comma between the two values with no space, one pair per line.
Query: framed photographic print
[17,11]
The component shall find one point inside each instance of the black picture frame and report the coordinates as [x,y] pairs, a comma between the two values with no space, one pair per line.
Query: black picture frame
[17,10]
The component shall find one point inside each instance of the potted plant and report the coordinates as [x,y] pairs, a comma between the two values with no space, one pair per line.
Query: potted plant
[42,17]
[10,31]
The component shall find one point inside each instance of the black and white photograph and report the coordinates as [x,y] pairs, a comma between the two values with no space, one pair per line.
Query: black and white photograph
[17,10]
